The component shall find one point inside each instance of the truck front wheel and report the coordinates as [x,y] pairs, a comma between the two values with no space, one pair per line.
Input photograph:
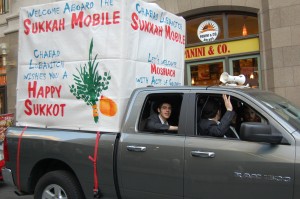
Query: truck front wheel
[58,184]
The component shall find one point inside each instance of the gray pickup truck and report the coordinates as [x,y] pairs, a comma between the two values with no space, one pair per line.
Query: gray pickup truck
[261,161]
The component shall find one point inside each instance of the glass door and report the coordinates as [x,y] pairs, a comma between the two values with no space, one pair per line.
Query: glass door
[206,73]
[248,66]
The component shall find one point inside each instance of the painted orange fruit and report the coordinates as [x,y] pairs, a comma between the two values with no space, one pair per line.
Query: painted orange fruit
[107,106]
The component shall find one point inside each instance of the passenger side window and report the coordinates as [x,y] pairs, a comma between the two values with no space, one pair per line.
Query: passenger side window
[229,129]
[160,113]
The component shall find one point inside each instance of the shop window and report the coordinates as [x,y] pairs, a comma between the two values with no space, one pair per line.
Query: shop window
[2,100]
[203,74]
[242,25]
[3,6]
[192,27]
[249,68]
[236,25]
[234,44]
[2,70]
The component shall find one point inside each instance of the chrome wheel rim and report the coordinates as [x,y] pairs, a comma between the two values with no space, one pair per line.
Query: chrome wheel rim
[54,191]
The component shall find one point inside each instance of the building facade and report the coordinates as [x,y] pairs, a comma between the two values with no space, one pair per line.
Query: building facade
[257,38]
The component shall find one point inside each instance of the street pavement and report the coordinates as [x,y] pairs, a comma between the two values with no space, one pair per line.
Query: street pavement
[8,192]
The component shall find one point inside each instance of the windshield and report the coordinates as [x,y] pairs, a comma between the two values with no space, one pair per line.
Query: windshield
[282,107]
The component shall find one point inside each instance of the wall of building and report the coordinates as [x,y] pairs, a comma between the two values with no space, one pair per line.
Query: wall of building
[279,29]
[281,47]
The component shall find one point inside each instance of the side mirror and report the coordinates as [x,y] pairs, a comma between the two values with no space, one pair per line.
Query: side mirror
[258,132]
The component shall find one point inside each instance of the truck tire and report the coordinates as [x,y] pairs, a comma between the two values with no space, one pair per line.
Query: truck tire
[58,184]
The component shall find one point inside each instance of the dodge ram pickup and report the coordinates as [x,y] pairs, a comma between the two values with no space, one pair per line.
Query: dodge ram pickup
[261,162]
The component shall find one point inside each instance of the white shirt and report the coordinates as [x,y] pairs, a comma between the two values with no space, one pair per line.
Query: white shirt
[162,121]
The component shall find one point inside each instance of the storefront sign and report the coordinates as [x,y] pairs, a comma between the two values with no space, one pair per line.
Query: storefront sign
[80,60]
[222,49]
[208,31]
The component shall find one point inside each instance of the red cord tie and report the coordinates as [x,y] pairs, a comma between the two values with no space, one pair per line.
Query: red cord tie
[94,160]
[18,158]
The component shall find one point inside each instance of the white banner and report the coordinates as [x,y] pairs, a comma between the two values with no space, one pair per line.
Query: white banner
[80,60]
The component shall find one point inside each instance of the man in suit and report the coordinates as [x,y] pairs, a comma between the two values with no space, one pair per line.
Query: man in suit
[159,122]
[210,123]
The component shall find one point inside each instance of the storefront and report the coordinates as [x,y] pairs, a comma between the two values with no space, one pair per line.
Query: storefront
[222,42]
[3,54]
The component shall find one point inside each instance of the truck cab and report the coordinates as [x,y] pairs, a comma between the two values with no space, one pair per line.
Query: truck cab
[258,163]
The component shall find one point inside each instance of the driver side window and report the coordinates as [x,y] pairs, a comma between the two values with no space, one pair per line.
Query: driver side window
[230,129]
[246,123]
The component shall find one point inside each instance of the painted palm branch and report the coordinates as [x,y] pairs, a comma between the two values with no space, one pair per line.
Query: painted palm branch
[89,84]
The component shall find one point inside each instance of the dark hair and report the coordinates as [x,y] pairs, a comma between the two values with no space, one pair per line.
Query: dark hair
[163,102]
[211,108]
[158,104]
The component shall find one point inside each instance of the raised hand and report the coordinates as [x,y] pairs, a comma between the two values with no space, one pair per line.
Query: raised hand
[227,102]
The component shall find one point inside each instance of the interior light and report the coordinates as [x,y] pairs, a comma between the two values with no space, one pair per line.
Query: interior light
[251,76]
[245,32]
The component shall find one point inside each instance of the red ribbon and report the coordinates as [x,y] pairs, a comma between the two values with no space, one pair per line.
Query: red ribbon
[18,158]
[94,160]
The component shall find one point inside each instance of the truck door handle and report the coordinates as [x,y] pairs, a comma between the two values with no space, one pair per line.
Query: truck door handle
[136,148]
[203,154]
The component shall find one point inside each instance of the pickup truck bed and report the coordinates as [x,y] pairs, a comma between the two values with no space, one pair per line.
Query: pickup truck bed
[43,150]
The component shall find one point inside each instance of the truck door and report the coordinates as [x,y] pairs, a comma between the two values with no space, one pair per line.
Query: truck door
[237,169]
[232,168]
[151,163]
[155,171]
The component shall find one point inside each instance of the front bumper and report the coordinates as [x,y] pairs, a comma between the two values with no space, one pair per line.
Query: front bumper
[7,176]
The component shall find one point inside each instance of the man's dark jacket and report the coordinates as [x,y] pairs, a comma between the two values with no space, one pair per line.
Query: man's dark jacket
[154,124]
[211,128]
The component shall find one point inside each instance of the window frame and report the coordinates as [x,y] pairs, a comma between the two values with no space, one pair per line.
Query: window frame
[5,7]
